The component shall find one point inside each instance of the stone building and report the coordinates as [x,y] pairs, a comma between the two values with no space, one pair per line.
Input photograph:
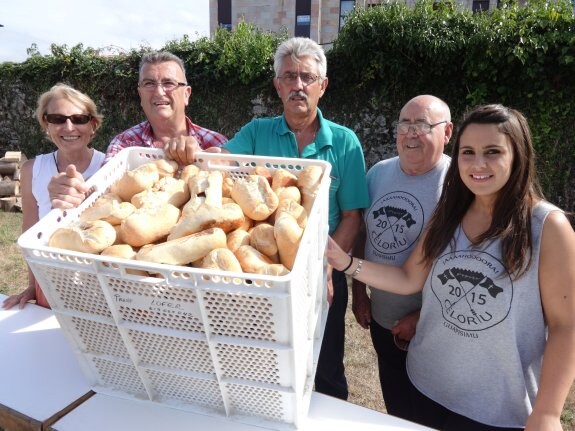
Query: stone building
[319,20]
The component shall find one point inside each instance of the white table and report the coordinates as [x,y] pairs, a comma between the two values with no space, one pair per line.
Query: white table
[103,412]
[42,387]
[39,376]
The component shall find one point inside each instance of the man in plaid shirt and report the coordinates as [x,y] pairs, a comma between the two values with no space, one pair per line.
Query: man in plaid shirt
[164,95]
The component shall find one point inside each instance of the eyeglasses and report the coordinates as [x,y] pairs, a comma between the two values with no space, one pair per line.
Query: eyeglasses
[167,85]
[306,78]
[61,119]
[420,129]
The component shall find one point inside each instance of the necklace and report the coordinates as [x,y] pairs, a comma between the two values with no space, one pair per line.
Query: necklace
[55,161]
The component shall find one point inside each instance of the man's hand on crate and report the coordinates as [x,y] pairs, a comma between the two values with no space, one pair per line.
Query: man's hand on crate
[183,149]
[329,285]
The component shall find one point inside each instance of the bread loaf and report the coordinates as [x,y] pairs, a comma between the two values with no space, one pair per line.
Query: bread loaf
[228,218]
[87,237]
[166,168]
[255,196]
[166,190]
[308,182]
[136,181]
[288,236]
[294,209]
[264,172]
[123,251]
[221,259]
[110,211]
[149,224]
[237,238]
[188,172]
[275,269]
[208,183]
[250,259]
[185,250]
[283,178]
[262,239]
[291,192]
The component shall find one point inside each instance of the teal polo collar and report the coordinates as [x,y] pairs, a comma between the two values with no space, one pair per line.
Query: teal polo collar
[323,137]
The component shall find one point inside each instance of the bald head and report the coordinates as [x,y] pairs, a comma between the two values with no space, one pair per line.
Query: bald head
[430,105]
[420,149]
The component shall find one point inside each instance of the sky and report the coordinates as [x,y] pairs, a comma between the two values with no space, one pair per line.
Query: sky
[119,24]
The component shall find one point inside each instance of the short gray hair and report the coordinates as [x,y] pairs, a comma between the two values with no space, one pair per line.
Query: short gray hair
[160,57]
[298,47]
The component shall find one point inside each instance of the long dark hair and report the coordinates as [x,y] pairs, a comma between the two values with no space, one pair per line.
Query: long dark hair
[511,220]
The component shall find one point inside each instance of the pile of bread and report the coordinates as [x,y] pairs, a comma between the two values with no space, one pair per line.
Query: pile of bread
[205,219]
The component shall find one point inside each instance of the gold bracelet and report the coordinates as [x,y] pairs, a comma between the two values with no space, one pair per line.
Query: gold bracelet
[358,269]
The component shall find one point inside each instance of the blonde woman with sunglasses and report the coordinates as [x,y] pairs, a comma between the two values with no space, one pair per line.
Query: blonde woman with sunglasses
[70,119]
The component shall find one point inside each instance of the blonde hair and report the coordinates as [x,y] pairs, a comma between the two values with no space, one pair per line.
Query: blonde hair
[63,91]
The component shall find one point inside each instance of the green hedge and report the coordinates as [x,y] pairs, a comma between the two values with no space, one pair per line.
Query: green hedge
[521,56]
[226,74]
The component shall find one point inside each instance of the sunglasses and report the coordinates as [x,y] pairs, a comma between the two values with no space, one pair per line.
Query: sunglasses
[61,119]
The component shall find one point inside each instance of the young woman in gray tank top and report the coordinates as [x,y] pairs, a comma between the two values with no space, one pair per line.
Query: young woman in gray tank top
[494,347]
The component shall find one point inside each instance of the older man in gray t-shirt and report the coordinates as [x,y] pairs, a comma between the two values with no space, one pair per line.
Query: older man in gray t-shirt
[403,191]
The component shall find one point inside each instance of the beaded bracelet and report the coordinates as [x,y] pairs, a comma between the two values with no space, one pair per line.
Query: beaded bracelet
[358,269]
[348,265]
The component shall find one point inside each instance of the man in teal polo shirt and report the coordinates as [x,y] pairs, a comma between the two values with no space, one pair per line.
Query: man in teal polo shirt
[302,132]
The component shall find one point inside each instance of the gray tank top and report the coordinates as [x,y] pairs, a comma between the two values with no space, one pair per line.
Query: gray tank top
[480,339]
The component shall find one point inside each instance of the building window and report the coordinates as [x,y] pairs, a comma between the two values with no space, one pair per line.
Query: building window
[345,7]
[302,18]
[225,14]
[480,6]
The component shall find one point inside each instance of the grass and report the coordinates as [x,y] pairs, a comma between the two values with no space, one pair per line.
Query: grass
[12,264]
[360,358]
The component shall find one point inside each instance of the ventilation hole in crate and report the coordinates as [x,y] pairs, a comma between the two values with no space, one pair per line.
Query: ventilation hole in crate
[183,275]
[77,291]
[99,338]
[255,401]
[181,321]
[120,376]
[184,388]
[249,363]
[245,316]
[172,352]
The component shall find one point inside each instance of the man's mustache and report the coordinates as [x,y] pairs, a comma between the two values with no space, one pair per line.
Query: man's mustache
[293,94]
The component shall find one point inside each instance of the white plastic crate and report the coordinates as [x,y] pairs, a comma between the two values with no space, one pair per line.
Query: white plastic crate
[235,344]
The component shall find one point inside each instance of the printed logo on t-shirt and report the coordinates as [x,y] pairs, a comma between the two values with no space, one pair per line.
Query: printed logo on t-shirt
[394,222]
[474,289]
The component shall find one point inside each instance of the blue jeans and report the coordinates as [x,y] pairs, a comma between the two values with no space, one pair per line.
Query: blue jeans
[330,374]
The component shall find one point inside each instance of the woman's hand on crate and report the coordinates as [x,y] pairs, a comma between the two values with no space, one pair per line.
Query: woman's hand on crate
[20,299]
[67,189]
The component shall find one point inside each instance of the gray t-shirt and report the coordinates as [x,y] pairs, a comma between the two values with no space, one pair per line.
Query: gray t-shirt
[401,207]
[481,335]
